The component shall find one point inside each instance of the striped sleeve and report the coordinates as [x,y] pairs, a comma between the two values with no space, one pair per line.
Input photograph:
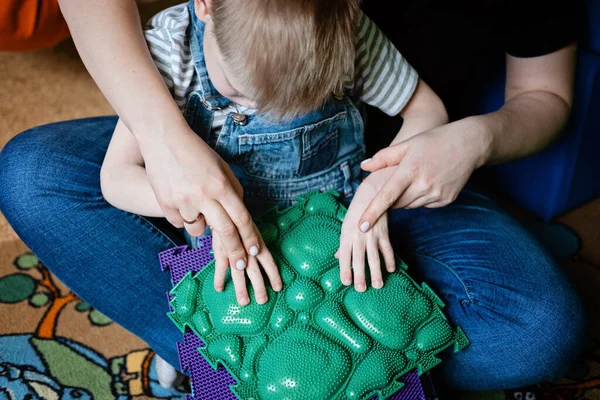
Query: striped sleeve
[159,45]
[169,47]
[383,77]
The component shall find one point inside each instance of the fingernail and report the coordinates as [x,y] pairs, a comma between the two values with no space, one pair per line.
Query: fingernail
[347,282]
[377,284]
[244,301]
[219,289]
[365,161]
[261,300]
[277,287]
[253,250]
[360,287]
[365,226]
[240,264]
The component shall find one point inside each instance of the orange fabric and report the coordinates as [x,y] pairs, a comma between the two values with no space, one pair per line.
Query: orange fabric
[30,24]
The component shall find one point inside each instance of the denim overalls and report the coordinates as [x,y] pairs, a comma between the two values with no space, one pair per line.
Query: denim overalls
[274,161]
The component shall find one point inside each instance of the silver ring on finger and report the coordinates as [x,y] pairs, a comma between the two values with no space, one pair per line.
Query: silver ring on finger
[193,221]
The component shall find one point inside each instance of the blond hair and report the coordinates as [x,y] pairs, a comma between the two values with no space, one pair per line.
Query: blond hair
[289,56]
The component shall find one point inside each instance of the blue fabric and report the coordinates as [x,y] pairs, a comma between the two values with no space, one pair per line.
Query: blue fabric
[592,40]
[565,175]
[525,321]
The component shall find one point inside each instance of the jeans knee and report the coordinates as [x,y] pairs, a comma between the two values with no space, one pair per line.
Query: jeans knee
[564,332]
[552,341]
[27,163]
[539,343]
[15,179]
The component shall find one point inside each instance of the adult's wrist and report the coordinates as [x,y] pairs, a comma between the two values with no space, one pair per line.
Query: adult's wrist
[480,128]
[155,134]
[160,124]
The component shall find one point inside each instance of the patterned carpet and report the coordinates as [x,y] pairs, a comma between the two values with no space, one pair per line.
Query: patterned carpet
[54,346]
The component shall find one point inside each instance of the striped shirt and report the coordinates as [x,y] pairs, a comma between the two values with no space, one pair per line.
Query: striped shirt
[382,77]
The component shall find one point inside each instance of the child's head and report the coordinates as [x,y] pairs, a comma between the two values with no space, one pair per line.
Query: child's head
[284,57]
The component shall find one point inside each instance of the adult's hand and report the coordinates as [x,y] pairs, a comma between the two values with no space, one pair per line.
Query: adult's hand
[192,183]
[431,168]
[434,165]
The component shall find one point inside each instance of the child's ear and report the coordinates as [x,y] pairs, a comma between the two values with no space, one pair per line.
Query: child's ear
[203,9]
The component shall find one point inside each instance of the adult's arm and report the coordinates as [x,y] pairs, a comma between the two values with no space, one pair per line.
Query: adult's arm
[108,35]
[538,100]
[187,176]
[433,166]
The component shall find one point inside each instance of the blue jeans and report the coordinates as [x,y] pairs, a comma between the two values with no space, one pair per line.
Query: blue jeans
[523,317]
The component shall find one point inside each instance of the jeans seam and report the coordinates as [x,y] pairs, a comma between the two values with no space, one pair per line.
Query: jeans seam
[153,228]
[462,282]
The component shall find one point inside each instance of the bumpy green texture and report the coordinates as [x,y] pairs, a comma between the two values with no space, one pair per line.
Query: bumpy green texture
[316,339]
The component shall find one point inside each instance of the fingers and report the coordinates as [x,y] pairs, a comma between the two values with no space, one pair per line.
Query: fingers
[374,262]
[344,255]
[239,283]
[268,264]
[197,228]
[418,202]
[221,263]
[417,192]
[438,204]
[228,235]
[173,216]
[384,199]
[388,254]
[388,157]
[242,220]
[258,283]
[253,271]
[358,266]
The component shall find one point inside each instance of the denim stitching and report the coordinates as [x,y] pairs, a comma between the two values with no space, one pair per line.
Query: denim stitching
[464,285]
[160,234]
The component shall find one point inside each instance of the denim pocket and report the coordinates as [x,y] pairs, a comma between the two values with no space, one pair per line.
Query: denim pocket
[294,153]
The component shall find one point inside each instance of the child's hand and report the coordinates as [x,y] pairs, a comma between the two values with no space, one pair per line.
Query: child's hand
[253,270]
[354,243]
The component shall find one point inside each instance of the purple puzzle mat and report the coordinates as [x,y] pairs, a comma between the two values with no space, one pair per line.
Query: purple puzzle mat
[205,381]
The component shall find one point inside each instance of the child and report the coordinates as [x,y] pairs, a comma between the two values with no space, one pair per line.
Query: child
[275,88]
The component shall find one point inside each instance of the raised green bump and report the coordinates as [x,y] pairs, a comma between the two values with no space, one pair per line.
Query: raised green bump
[228,317]
[287,275]
[311,258]
[227,349]
[322,203]
[298,359]
[331,282]
[331,318]
[186,293]
[303,294]
[303,317]
[269,232]
[434,334]
[289,217]
[252,348]
[394,328]
[281,319]
[388,365]
[201,323]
